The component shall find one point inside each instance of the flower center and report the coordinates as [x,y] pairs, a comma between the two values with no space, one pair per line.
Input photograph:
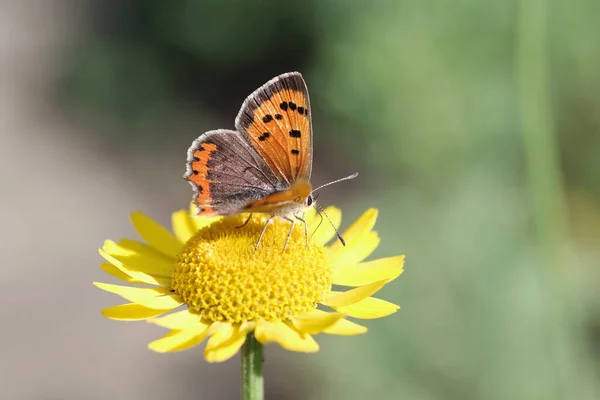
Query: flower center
[219,275]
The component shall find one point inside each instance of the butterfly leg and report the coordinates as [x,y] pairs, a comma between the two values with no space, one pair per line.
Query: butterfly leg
[290,232]
[244,224]
[263,232]
[318,225]
[299,218]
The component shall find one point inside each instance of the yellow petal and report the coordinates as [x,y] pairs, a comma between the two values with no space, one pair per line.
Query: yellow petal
[117,273]
[358,229]
[363,273]
[131,312]
[309,217]
[325,232]
[131,291]
[179,320]
[195,341]
[339,299]
[360,241]
[369,308]
[143,262]
[228,346]
[155,234]
[314,322]
[341,326]
[128,246]
[180,340]
[135,274]
[357,251]
[287,337]
[219,331]
[158,299]
[345,328]
[183,227]
[200,222]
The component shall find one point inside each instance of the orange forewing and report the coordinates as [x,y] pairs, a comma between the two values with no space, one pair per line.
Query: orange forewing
[202,156]
[281,133]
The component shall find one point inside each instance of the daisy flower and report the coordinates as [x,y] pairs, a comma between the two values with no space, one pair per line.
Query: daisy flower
[204,281]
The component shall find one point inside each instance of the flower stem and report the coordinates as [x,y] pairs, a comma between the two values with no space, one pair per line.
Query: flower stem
[252,369]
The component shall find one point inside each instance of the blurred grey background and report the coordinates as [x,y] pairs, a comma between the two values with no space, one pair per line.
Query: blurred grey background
[474,125]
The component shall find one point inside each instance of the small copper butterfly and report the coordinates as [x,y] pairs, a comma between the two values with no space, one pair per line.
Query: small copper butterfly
[263,166]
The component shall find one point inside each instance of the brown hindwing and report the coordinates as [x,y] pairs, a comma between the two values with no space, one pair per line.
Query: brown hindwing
[226,173]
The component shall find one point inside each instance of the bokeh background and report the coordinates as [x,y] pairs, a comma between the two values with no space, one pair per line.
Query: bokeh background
[474,126]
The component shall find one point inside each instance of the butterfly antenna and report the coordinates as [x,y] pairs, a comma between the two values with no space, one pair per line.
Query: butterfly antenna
[321,210]
[354,175]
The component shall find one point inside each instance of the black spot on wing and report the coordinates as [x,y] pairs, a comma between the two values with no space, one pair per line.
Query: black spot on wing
[292,81]
[278,117]
[295,133]
[264,136]
[267,118]
[295,151]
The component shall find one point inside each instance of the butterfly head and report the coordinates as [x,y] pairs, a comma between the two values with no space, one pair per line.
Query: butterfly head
[310,200]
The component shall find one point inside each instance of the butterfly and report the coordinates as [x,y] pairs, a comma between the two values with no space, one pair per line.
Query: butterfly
[265,164]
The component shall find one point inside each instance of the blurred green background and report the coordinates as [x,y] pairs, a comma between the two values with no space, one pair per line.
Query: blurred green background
[474,126]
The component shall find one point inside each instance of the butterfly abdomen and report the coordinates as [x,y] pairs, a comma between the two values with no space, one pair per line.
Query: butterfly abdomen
[285,202]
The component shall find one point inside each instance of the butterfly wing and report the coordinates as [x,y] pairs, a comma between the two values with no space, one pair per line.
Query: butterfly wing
[275,119]
[226,173]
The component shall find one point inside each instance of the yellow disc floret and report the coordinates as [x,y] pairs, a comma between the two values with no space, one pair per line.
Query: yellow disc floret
[219,275]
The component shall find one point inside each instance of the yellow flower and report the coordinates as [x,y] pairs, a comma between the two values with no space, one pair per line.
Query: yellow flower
[228,290]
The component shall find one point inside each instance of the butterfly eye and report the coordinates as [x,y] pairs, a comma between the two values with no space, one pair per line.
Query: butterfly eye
[309,201]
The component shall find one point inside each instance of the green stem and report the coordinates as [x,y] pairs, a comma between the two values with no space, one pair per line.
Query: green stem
[547,197]
[252,369]
[543,165]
